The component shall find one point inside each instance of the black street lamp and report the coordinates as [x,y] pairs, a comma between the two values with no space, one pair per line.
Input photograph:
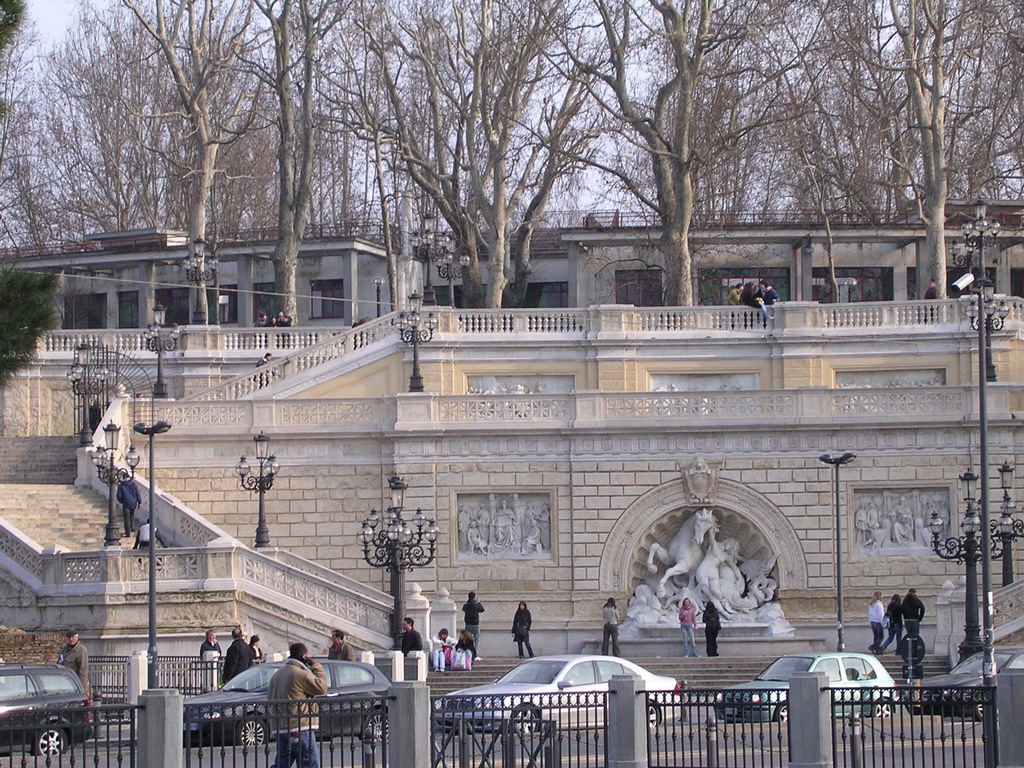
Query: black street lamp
[261,483]
[1007,527]
[103,458]
[965,550]
[378,283]
[431,247]
[158,340]
[837,462]
[450,268]
[415,329]
[396,547]
[978,234]
[152,430]
[88,376]
[199,271]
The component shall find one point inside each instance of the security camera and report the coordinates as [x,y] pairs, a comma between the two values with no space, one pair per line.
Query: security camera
[963,281]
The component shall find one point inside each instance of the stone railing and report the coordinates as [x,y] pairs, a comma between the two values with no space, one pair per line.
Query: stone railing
[581,409]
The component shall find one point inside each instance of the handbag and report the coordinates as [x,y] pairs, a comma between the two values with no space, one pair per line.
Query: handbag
[462,661]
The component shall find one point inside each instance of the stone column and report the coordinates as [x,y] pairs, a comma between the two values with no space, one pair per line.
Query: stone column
[245,308]
[147,293]
[627,723]
[810,744]
[417,608]
[160,723]
[444,614]
[408,725]
[950,617]
[137,673]
[1010,684]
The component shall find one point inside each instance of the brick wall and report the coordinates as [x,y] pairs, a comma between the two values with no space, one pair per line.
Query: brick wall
[18,646]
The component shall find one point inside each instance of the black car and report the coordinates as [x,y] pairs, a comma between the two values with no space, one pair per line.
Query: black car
[43,707]
[958,692]
[239,712]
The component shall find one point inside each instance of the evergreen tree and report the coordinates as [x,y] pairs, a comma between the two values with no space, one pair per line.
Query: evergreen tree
[26,313]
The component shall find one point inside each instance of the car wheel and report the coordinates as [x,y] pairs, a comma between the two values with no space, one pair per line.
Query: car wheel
[977,712]
[50,741]
[781,713]
[655,716]
[526,719]
[377,725]
[251,733]
[882,709]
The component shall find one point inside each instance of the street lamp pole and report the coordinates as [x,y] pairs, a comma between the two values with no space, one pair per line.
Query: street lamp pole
[1007,527]
[103,458]
[450,268]
[261,483]
[152,430]
[199,271]
[979,233]
[837,462]
[160,341]
[88,377]
[378,283]
[965,550]
[397,547]
[415,329]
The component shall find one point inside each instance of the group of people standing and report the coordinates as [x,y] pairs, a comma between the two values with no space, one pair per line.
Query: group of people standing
[687,626]
[902,614]
[241,654]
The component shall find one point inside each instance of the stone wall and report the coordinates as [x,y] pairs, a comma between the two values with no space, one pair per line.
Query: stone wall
[18,646]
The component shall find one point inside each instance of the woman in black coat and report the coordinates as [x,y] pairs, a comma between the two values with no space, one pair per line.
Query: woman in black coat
[521,624]
[712,626]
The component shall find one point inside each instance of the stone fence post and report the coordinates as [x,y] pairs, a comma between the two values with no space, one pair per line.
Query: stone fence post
[1010,700]
[443,615]
[211,674]
[409,713]
[627,723]
[810,744]
[137,676]
[160,722]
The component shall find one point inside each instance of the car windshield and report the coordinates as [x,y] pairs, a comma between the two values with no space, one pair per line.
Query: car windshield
[533,672]
[784,668]
[252,680]
[972,664]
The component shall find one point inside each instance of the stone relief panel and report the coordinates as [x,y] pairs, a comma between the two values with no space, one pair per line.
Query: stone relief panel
[925,377]
[891,522]
[704,382]
[520,385]
[504,526]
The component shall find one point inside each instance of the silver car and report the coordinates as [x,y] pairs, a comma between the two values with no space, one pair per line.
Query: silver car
[568,690]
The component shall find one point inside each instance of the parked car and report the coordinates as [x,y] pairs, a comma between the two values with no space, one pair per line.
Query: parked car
[765,698]
[951,694]
[42,707]
[547,688]
[238,712]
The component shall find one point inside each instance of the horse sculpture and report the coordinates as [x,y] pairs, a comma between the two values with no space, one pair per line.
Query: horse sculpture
[686,550]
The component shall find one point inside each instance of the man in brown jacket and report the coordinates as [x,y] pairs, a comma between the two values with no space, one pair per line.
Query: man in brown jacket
[76,658]
[295,726]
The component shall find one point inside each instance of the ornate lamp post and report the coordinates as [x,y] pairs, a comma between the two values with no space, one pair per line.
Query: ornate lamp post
[199,271]
[450,268]
[416,329]
[103,458]
[837,462]
[978,235]
[158,340]
[152,430]
[88,376]
[1007,527]
[261,483]
[964,549]
[396,547]
[431,247]
[378,283]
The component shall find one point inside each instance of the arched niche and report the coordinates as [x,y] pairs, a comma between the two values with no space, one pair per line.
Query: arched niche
[760,527]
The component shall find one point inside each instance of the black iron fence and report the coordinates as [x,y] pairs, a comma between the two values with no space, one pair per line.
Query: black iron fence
[108,676]
[54,737]
[344,732]
[923,727]
[556,730]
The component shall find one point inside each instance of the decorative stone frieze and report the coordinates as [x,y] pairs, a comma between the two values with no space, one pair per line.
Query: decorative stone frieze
[894,522]
[504,526]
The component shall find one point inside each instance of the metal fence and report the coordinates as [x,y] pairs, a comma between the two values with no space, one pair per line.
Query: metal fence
[108,676]
[740,729]
[345,732]
[558,730]
[924,727]
[55,737]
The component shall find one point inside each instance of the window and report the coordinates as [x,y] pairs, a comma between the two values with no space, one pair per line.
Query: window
[128,309]
[264,299]
[713,285]
[56,684]
[176,302]
[345,674]
[543,295]
[859,669]
[606,670]
[872,284]
[830,667]
[85,311]
[327,299]
[581,674]
[15,686]
[639,287]
[227,310]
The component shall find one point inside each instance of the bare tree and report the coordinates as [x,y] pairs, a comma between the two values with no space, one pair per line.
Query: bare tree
[203,43]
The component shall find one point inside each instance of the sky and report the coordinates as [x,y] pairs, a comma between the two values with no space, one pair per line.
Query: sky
[51,18]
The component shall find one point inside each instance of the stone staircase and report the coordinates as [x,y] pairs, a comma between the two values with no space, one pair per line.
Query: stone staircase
[38,460]
[696,673]
[73,517]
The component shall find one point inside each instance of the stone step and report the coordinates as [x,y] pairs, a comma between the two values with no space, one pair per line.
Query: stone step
[72,517]
[21,460]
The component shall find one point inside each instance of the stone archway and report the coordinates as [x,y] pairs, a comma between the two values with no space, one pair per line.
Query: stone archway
[759,526]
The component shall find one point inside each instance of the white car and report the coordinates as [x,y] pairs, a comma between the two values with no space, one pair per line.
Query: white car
[564,689]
